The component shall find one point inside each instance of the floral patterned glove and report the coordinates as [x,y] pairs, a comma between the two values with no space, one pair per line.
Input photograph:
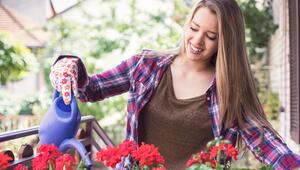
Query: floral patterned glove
[64,76]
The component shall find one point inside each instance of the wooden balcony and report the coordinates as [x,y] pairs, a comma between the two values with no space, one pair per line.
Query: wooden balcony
[91,135]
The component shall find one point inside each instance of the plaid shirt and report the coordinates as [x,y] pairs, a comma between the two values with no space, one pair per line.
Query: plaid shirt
[140,75]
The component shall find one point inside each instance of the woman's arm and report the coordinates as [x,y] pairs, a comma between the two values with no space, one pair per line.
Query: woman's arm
[109,83]
[90,88]
[273,150]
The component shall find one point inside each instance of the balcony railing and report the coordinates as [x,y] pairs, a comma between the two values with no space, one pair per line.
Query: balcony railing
[91,135]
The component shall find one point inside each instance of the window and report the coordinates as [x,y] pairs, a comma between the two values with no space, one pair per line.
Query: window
[294,18]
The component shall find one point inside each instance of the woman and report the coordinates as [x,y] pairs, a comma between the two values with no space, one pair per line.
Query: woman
[180,100]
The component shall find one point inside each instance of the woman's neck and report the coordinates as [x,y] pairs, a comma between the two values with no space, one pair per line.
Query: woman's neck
[191,67]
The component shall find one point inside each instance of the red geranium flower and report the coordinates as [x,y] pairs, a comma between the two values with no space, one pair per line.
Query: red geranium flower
[213,163]
[147,154]
[109,157]
[46,154]
[20,167]
[65,161]
[193,160]
[4,161]
[213,152]
[127,147]
[50,151]
[203,156]
[231,151]
[40,162]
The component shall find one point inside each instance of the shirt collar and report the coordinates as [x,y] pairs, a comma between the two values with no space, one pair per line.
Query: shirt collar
[166,60]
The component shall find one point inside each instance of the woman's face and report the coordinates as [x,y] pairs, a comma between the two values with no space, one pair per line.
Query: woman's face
[201,35]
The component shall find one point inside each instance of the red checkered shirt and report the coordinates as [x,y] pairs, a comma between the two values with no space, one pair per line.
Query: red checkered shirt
[140,75]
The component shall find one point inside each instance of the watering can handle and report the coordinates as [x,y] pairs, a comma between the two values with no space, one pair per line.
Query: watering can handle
[55,95]
[74,107]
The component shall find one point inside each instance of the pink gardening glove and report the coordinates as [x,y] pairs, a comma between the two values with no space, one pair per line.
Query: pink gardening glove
[64,76]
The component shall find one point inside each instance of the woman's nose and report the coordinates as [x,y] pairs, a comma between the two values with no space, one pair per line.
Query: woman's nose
[199,39]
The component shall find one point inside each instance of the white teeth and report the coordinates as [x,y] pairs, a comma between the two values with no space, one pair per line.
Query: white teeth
[195,49]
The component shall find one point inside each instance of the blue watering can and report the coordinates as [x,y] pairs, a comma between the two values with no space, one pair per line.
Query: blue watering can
[60,125]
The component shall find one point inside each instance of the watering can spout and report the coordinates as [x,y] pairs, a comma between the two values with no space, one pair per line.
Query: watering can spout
[73,143]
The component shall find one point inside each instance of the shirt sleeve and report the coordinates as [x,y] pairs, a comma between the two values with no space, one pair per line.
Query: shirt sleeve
[273,150]
[109,83]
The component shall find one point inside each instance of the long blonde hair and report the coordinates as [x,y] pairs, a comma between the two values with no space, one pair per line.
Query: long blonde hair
[236,91]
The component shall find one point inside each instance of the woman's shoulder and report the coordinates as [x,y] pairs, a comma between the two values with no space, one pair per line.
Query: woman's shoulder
[148,57]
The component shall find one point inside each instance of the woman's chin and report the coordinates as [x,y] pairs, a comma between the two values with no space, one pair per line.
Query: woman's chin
[194,57]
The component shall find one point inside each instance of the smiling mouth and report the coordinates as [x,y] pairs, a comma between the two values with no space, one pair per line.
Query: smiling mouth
[194,49]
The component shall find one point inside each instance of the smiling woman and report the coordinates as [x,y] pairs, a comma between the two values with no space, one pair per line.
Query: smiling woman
[179,100]
[201,35]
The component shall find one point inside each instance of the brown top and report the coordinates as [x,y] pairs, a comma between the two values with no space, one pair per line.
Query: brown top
[179,128]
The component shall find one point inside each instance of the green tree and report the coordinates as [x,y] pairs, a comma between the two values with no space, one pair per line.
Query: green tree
[257,35]
[109,35]
[15,59]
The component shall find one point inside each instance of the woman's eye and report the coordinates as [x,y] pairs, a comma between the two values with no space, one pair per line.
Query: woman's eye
[193,29]
[211,38]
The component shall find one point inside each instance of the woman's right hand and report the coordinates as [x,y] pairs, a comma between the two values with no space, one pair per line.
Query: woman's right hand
[64,77]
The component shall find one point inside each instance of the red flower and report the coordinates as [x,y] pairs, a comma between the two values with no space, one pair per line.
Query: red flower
[193,160]
[147,155]
[66,161]
[144,155]
[109,157]
[46,154]
[20,167]
[213,163]
[4,161]
[40,162]
[51,150]
[127,147]
[231,151]
[213,152]
[203,156]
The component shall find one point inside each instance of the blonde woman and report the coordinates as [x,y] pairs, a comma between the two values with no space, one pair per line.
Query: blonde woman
[180,100]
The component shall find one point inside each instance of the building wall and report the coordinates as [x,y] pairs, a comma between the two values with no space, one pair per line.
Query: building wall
[279,67]
[34,9]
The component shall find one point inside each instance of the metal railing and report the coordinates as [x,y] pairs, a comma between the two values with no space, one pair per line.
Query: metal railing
[91,136]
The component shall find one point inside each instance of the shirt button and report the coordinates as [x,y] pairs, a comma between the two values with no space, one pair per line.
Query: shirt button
[208,98]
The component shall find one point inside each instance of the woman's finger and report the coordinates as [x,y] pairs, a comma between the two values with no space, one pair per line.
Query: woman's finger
[66,89]
[54,79]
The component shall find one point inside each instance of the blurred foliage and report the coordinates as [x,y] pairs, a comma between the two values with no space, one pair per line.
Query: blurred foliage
[36,104]
[257,35]
[272,105]
[15,59]
[257,39]
[269,99]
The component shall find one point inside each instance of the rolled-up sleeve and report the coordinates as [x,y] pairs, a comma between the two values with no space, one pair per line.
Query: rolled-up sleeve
[273,151]
[109,83]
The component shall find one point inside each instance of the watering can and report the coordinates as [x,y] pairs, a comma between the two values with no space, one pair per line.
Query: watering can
[60,125]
